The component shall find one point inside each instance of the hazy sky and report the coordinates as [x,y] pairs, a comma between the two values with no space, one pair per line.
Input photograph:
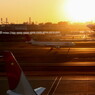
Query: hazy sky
[38,10]
[47,10]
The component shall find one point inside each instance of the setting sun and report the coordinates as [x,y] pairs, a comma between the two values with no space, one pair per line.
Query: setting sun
[80,10]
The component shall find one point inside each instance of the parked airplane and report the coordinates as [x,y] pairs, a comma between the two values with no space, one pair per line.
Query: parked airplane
[18,84]
[50,44]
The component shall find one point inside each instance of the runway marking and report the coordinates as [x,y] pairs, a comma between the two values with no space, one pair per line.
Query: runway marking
[57,85]
[54,85]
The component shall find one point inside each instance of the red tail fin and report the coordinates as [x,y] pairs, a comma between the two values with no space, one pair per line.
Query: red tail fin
[27,37]
[13,70]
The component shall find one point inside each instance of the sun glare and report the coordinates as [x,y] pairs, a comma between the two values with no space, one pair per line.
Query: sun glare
[80,10]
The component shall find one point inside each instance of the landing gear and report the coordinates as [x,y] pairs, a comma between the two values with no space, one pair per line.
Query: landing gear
[50,49]
[68,51]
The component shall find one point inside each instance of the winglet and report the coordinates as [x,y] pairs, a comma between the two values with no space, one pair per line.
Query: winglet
[13,70]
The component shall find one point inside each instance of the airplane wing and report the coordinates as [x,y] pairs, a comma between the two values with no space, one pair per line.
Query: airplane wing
[18,84]
[38,91]
[10,92]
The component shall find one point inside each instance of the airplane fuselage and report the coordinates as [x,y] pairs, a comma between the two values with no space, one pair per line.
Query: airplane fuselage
[53,44]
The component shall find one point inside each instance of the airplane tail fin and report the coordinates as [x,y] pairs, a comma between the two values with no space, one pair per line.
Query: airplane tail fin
[18,83]
[13,70]
[29,39]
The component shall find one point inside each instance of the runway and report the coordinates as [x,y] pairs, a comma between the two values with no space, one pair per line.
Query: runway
[59,85]
[64,71]
[42,58]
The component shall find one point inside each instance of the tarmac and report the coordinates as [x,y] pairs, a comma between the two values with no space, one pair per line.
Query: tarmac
[64,71]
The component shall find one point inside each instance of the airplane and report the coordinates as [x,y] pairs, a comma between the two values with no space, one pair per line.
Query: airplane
[18,84]
[50,44]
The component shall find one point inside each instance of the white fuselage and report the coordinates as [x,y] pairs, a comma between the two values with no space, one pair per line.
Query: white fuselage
[52,44]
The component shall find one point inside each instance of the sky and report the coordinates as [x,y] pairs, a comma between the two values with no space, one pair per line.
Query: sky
[19,11]
[39,10]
